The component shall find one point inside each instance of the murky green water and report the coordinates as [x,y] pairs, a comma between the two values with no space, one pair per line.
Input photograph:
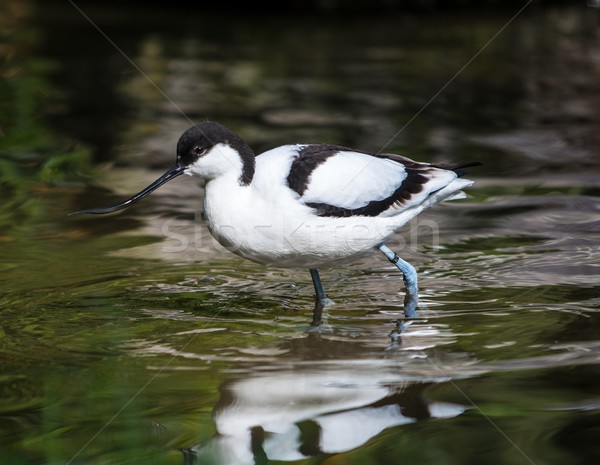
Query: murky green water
[135,339]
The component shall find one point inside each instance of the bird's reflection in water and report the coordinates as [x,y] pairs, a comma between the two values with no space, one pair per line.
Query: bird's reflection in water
[305,406]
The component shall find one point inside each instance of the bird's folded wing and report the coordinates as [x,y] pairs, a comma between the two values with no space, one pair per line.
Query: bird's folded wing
[348,183]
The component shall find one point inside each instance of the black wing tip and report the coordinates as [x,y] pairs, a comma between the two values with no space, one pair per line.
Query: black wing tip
[458,169]
[468,165]
[461,171]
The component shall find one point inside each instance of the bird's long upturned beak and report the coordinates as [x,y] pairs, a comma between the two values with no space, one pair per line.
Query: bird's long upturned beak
[171,174]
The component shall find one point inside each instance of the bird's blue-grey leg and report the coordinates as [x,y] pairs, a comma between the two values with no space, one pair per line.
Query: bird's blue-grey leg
[410,280]
[409,272]
[321,300]
[319,291]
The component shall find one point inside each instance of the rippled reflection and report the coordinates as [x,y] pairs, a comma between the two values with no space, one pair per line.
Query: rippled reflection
[298,413]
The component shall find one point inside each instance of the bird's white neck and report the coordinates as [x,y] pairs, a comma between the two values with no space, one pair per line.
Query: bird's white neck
[225,161]
[227,202]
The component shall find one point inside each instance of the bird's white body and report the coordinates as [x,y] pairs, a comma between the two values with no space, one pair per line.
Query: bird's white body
[268,222]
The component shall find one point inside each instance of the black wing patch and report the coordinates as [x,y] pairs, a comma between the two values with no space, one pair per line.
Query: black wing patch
[308,159]
[412,184]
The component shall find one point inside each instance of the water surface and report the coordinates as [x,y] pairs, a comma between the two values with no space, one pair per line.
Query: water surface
[134,338]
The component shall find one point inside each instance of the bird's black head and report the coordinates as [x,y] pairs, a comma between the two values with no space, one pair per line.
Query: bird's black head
[199,139]
[197,142]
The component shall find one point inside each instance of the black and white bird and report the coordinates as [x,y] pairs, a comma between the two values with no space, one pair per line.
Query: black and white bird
[306,205]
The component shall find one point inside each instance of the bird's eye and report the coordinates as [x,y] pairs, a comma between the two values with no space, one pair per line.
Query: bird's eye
[199,150]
